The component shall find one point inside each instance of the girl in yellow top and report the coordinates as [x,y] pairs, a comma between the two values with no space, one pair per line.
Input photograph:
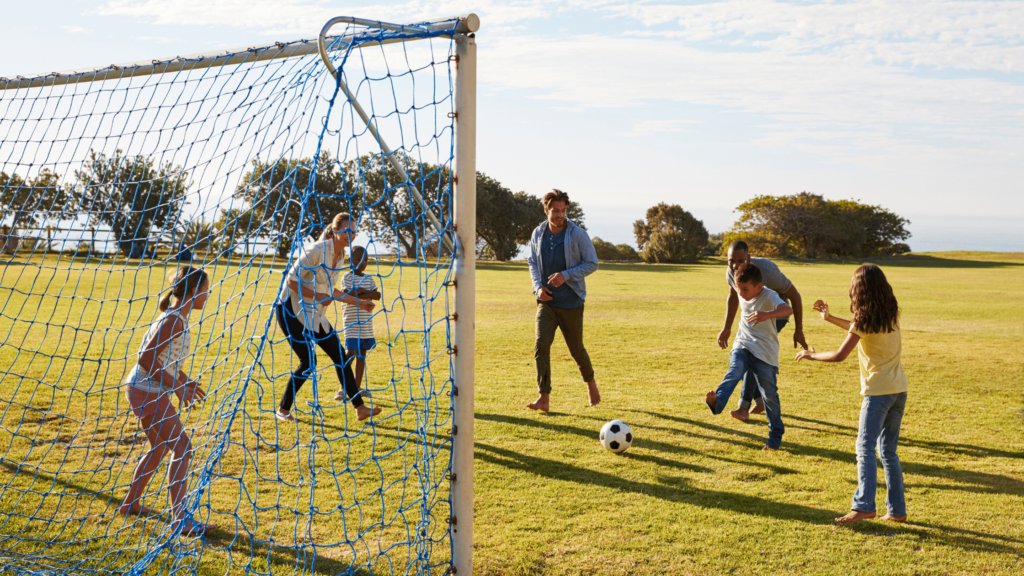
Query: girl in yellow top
[875,332]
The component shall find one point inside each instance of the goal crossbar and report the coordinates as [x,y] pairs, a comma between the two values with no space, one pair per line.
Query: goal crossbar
[456,25]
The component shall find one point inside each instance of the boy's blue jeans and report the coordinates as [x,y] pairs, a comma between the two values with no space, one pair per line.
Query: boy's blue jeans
[741,364]
[748,394]
[880,419]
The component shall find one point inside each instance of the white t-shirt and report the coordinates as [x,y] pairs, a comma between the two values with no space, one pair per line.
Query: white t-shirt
[358,322]
[172,356]
[762,340]
[313,270]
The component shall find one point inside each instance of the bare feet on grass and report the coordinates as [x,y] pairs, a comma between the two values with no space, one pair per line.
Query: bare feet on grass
[363,412]
[593,393]
[768,448]
[136,508]
[757,409]
[855,516]
[742,414]
[891,518]
[711,399]
[541,403]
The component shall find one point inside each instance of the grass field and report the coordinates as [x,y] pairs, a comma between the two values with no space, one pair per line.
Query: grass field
[695,495]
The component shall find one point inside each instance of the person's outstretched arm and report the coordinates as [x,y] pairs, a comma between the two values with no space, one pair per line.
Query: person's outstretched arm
[821,307]
[835,355]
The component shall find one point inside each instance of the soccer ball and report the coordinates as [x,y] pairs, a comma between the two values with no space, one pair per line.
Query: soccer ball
[616,436]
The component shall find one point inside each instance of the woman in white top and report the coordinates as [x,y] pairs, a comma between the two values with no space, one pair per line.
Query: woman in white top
[301,313]
[158,372]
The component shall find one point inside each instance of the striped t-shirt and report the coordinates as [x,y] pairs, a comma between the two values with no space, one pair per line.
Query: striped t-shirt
[358,322]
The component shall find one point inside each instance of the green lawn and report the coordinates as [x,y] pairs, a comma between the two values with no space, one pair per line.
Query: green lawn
[695,495]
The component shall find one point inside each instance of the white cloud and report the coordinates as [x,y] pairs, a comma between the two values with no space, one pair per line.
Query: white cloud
[649,127]
[846,80]
[74,29]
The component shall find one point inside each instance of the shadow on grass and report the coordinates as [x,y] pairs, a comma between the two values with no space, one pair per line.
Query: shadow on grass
[221,538]
[981,481]
[639,442]
[681,492]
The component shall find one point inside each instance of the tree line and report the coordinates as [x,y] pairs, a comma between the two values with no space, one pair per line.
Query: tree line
[136,196]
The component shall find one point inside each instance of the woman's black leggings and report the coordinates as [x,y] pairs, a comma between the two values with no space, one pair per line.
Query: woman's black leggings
[301,342]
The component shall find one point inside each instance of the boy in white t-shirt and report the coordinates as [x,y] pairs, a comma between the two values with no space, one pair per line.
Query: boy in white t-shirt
[755,352]
[358,323]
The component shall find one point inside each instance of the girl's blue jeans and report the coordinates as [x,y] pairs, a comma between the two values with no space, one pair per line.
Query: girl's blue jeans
[744,365]
[880,419]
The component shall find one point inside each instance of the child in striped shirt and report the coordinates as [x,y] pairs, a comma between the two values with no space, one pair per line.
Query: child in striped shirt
[358,323]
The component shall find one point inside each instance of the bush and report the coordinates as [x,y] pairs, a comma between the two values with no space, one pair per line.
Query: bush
[608,251]
[670,235]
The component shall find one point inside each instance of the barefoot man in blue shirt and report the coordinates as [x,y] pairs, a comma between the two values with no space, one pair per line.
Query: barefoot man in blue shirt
[561,256]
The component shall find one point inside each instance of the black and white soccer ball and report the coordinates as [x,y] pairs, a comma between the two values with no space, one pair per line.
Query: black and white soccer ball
[616,436]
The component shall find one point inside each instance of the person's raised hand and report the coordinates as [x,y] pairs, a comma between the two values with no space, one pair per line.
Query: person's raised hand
[544,294]
[556,279]
[723,338]
[821,307]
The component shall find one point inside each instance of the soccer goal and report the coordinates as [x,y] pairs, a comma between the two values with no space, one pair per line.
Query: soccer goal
[114,178]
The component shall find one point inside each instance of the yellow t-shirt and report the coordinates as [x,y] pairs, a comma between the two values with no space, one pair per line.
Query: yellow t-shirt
[880,369]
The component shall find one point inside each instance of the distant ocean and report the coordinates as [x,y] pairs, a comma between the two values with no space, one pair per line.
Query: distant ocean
[929,232]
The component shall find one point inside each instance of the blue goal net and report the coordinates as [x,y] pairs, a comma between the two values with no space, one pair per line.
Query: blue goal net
[111,181]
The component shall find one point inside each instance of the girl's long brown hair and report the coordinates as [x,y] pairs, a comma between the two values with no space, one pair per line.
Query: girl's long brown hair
[185,281]
[872,302]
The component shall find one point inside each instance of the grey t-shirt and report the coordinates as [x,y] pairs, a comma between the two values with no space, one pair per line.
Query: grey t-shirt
[771,276]
[762,340]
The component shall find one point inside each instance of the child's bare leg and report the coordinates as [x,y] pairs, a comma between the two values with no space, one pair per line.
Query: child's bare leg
[177,474]
[855,516]
[542,403]
[147,466]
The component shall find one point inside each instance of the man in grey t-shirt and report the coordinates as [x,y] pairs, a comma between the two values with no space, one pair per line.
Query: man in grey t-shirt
[773,279]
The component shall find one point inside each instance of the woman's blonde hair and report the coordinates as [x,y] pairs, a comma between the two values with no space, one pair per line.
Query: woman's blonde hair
[183,282]
[335,223]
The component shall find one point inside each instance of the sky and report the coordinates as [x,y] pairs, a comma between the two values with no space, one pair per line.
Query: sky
[917,106]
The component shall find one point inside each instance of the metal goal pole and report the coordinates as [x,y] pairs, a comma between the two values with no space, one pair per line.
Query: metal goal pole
[465,304]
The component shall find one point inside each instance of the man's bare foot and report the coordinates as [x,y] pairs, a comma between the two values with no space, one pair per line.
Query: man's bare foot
[541,403]
[711,399]
[855,516]
[757,409]
[891,518]
[363,412]
[593,393]
[136,508]
[742,414]
[768,448]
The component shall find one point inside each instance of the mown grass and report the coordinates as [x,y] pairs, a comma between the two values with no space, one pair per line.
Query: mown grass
[695,495]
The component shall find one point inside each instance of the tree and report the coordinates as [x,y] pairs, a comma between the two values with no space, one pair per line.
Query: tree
[31,202]
[670,235]
[276,192]
[394,215]
[131,194]
[809,226]
[503,220]
[240,225]
[200,235]
[608,251]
